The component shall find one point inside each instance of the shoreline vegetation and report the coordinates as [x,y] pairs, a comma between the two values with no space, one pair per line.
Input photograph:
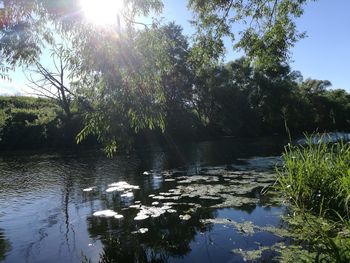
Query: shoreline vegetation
[297,108]
[315,181]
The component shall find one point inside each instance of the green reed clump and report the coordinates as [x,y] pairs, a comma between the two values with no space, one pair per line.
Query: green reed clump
[316,177]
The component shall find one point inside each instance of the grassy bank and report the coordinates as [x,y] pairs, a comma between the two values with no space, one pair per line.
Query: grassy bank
[315,179]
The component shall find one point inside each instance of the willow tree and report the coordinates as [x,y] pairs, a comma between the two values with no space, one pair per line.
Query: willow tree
[119,69]
[264,29]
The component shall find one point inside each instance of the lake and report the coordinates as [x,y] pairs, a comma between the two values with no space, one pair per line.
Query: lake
[199,202]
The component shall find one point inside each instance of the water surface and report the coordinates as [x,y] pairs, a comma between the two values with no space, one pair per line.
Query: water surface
[45,216]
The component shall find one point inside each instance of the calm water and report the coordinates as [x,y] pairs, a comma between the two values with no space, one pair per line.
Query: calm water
[45,216]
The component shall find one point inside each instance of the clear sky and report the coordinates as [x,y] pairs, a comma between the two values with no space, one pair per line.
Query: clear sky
[324,54]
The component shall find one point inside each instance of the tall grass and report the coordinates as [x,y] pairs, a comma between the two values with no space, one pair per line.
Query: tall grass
[315,178]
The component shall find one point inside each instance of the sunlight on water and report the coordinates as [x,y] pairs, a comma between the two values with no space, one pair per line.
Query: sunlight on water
[57,207]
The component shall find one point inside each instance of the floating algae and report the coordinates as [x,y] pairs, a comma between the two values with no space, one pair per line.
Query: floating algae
[198,178]
[246,228]
[250,255]
[151,211]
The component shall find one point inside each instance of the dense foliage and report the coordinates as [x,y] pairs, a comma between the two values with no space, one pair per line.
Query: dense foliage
[121,73]
[238,98]
[28,122]
[235,99]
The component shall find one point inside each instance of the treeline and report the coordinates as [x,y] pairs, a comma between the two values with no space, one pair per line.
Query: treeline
[32,123]
[237,99]
[124,84]
[234,99]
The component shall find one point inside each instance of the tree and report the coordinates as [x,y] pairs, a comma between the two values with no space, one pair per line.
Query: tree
[119,70]
[122,81]
[268,28]
[126,75]
[313,86]
[51,83]
[26,26]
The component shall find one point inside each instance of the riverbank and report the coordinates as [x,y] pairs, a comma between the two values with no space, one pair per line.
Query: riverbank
[315,179]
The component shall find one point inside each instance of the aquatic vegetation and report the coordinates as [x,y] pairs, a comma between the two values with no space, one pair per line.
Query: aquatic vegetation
[105,213]
[141,217]
[141,231]
[250,255]
[128,194]
[287,253]
[197,178]
[151,211]
[315,179]
[185,217]
[246,228]
[169,180]
[89,189]
[121,187]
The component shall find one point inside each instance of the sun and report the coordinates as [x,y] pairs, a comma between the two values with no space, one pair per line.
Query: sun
[101,12]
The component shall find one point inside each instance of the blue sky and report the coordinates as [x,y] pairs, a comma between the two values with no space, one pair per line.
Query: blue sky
[324,54]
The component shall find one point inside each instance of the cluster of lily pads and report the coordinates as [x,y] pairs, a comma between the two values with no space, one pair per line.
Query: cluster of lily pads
[221,186]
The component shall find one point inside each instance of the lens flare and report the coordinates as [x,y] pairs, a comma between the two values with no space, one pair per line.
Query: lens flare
[101,12]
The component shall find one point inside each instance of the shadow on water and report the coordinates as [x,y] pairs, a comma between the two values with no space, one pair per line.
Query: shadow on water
[5,246]
[47,217]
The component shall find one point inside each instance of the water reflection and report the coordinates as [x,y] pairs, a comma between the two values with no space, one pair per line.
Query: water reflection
[4,245]
[166,237]
[47,216]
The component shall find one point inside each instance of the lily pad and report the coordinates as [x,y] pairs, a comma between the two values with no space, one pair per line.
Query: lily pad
[105,213]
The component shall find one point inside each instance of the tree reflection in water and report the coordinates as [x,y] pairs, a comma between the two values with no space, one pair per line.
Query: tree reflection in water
[167,236]
[4,245]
